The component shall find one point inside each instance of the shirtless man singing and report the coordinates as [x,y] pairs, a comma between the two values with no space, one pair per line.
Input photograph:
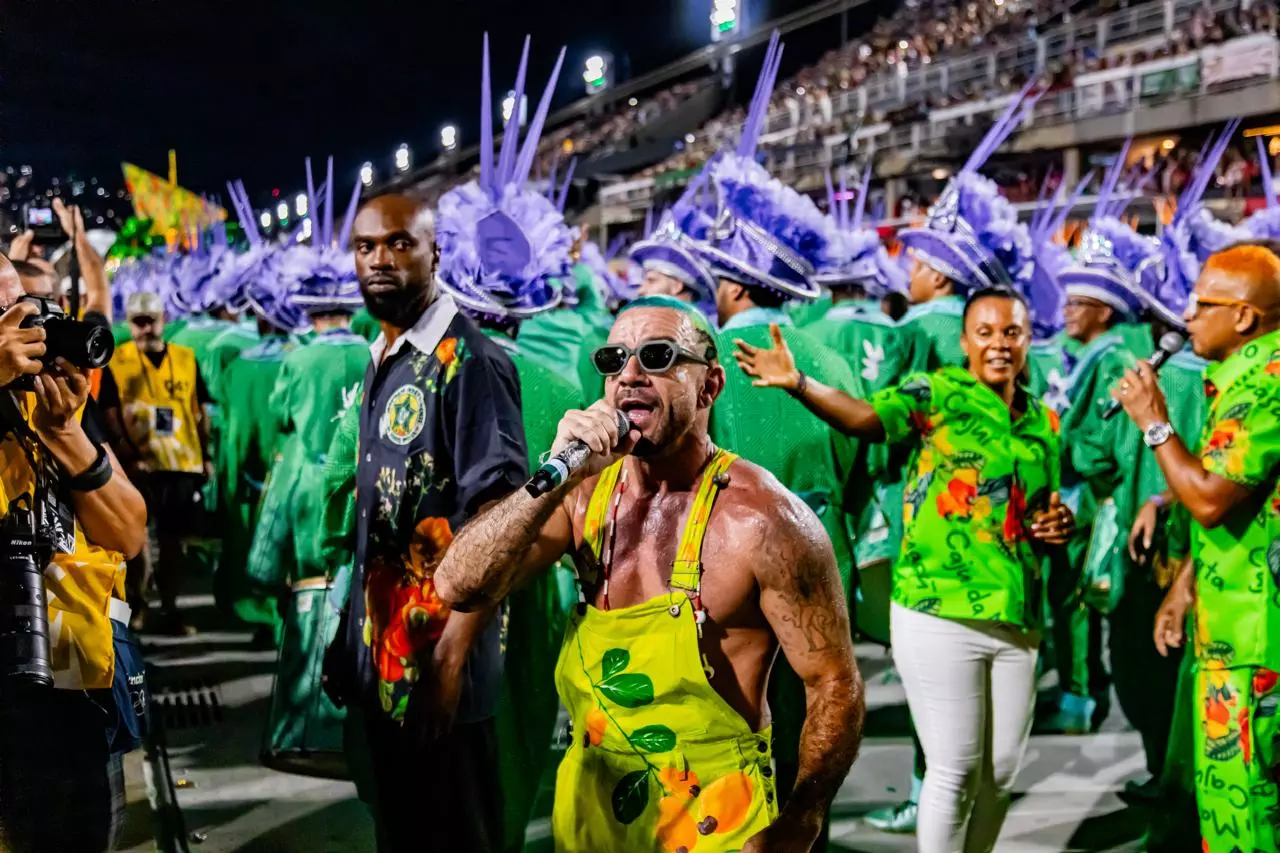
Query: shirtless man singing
[694,567]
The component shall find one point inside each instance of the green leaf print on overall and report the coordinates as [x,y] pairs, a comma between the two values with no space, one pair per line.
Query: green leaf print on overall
[631,796]
[630,690]
[656,738]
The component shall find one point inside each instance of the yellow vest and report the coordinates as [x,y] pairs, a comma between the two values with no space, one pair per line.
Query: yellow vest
[159,406]
[79,587]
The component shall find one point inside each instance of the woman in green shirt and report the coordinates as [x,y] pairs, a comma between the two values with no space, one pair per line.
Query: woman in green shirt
[981,502]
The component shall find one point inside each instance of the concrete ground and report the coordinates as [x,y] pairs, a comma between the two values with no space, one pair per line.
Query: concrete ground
[1065,796]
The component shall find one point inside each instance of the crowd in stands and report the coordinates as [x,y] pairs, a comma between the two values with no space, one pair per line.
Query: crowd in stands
[923,31]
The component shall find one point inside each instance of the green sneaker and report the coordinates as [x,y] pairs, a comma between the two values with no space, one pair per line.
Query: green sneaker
[899,819]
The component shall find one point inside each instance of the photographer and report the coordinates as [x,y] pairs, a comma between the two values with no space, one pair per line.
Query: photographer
[61,777]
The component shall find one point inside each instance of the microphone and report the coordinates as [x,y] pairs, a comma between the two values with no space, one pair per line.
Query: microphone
[1170,344]
[556,469]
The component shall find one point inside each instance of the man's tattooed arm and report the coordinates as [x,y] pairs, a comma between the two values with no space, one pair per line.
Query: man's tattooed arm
[502,545]
[803,599]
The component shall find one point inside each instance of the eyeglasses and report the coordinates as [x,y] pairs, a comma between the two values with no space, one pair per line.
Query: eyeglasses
[655,357]
[142,320]
[1195,302]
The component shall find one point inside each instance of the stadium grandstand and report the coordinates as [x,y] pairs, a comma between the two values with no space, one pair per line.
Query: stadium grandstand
[915,88]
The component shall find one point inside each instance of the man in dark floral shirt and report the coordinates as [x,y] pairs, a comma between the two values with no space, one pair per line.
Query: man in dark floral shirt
[440,436]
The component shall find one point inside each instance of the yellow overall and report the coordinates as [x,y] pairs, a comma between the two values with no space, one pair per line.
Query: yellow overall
[659,761]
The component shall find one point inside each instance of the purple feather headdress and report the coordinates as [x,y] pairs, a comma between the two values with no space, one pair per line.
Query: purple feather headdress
[972,234]
[504,247]
[765,234]
[858,256]
[1045,291]
[670,249]
[1190,238]
[1111,256]
[321,276]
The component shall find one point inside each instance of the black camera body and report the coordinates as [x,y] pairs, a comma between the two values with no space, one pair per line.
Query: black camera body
[86,345]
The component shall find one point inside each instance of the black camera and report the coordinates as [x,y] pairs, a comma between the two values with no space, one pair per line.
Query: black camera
[83,344]
[24,619]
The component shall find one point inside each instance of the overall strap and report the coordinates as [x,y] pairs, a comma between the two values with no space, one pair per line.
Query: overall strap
[593,527]
[686,571]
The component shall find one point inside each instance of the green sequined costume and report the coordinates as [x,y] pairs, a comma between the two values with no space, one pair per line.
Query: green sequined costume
[535,620]
[1121,471]
[876,350]
[808,457]
[316,383]
[317,388]
[250,442]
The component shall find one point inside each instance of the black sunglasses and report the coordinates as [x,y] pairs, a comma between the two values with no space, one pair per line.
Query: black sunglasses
[655,357]
[142,320]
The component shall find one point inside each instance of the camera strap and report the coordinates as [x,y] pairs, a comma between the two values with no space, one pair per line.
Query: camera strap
[55,519]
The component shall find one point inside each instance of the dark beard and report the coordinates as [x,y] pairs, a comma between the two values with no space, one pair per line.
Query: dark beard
[400,309]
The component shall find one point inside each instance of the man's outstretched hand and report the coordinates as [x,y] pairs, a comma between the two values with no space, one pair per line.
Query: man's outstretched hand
[769,368]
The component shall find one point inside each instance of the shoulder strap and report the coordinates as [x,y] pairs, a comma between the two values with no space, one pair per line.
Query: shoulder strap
[598,508]
[686,573]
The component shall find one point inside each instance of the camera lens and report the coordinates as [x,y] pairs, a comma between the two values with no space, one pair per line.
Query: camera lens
[24,623]
[83,344]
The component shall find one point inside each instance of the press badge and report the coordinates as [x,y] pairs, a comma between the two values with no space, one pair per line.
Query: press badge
[164,420]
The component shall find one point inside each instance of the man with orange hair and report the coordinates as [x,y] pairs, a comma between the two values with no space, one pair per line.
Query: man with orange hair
[1233,581]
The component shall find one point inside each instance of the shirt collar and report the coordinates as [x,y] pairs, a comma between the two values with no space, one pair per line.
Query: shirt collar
[425,335]
[757,317]
[1222,375]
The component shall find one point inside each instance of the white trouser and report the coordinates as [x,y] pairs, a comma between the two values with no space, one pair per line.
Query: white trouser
[971,689]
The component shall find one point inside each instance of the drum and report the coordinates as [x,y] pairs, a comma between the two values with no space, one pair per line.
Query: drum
[304,731]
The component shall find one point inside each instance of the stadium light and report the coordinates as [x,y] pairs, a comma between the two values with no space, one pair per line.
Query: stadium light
[305,233]
[1168,145]
[449,137]
[596,73]
[265,219]
[724,19]
[300,204]
[282,212]
[366,174]
[402,158]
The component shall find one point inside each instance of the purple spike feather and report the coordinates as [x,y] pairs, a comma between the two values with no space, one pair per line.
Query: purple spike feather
[1060,217]
[563,195]
[1191,196]
[511,133]
[327,239]
[1264,163]
[486,126]
[349,219]
[1109,182]
[534,134]
[648,221]
[864,192]
[753,110]
[998,133]
[312,207]
[760,100]
[551,181]
[844,200]
[832,211]
[1043,211]
[251,224]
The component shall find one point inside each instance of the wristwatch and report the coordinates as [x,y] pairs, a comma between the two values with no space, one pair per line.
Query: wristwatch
[1157,434]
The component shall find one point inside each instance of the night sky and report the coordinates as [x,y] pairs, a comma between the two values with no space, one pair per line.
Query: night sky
[247,89]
